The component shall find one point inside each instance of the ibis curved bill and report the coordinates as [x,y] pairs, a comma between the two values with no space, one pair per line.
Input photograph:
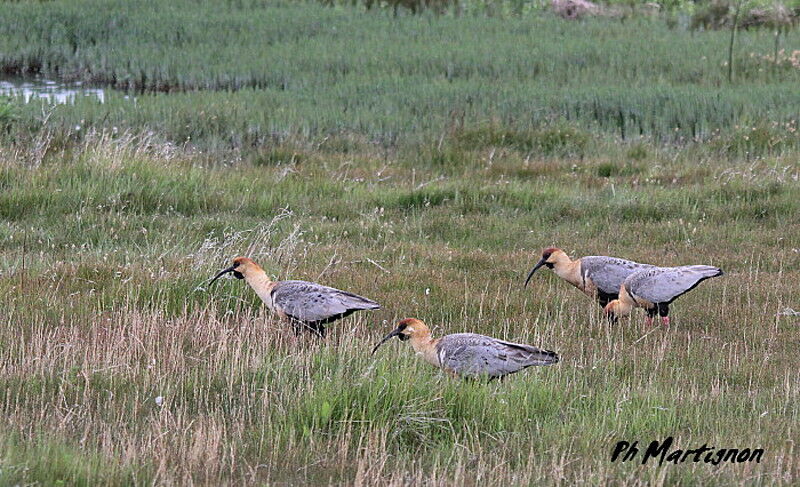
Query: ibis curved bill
[469,354]
[656,288]
[597,276]
[307,305]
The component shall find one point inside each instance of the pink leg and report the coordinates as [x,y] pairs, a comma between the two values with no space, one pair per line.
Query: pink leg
[665,320]
[649,321]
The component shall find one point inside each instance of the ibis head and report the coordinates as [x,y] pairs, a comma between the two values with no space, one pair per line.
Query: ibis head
[241,268]
[550,257]
[406,329]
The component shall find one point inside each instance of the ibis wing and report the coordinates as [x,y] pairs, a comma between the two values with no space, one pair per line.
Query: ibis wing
[310,302]
[608,273]
[469,354]
[665,284]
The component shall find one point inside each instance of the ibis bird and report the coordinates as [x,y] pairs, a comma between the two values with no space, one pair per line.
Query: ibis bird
[598,276]
[656,288]
[468,354]
[305,304]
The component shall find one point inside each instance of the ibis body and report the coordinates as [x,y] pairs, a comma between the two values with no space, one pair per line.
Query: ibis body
[305,304]
[468,354]
[598,276]
[656,288]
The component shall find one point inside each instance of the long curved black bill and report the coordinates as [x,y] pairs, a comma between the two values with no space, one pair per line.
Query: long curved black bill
[394,333]
[530,274]
[222,273]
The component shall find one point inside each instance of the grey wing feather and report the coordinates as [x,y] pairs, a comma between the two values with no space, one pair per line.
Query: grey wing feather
[608,273]
[470,354]
[314,303]
[664,284]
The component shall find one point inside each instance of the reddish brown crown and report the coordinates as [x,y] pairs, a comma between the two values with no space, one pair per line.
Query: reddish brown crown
[546,253]
[408,321]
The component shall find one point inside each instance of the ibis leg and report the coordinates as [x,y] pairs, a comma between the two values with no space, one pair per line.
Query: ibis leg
[297,328]
[651,313]
[320,331]
[603,298]
[663,312]
[315,329]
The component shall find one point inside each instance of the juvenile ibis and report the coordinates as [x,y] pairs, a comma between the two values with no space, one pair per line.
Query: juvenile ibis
[468,354]
[305,304]
[656,288]
[598,276]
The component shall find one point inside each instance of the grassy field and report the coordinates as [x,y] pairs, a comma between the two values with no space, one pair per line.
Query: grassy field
[435,208]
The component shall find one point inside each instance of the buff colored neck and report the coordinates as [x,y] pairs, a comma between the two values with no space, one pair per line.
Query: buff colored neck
[261,284]
[425,345]
[569,270]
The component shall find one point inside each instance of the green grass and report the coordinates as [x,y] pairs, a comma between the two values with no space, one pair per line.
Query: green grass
[248,74]
[430,195]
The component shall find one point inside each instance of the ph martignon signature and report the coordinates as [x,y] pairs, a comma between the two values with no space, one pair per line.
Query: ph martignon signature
[662,450]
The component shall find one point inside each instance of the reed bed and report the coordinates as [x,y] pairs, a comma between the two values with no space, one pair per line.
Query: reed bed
[238,75]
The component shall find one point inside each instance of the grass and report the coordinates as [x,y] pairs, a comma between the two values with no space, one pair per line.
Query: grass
[273,70]
[109,234]
[111,312]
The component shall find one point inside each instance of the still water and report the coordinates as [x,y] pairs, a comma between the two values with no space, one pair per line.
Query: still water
[48,91]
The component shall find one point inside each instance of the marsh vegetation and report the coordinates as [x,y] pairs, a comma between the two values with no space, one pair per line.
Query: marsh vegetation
[422,161]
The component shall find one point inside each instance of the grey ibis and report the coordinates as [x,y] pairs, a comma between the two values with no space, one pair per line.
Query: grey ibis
[305,304]
[656,288]
[598,276]
[469,355]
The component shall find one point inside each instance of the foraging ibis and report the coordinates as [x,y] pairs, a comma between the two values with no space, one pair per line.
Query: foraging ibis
[654,289]
[305,304]
[598,276]
[468,354]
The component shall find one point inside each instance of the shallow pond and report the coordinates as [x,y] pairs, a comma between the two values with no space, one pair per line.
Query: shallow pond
[48,91]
